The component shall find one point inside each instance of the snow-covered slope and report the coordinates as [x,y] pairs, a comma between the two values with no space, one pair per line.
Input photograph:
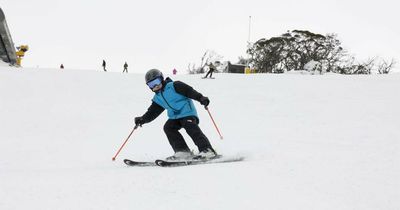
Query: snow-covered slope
[310,142]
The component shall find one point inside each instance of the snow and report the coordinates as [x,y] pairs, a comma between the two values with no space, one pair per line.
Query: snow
[310,142]
[3,64]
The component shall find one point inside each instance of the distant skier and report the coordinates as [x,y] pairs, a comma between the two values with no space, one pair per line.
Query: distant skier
[176,97]
[61,66]
[104,66]
[174,72]
[125,68]
[211,68]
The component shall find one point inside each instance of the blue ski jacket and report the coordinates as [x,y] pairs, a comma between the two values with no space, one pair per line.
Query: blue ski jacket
[177,105]
[175,97]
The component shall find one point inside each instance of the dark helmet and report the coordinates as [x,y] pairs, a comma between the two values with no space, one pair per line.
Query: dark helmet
[153,74]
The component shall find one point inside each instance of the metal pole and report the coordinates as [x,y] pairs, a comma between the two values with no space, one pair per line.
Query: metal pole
[215,125]
[248,43]
[119,150]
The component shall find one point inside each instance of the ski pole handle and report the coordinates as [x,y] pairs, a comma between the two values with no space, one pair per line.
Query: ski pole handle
[215,125]
[136,126]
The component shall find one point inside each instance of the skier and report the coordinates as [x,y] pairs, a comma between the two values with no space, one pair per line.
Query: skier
[125,67]
[62,66]
[176,97]
[210,71]
[104,65]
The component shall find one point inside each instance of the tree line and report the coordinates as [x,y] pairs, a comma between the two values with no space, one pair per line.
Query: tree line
[300,50]
[304,50]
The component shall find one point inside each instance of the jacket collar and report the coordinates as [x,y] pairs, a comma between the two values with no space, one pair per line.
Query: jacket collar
[164,83]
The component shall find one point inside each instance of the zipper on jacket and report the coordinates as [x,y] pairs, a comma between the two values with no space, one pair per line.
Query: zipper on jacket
[162,95]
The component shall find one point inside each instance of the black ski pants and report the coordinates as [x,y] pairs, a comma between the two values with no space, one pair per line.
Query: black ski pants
[210,72]
[190,124]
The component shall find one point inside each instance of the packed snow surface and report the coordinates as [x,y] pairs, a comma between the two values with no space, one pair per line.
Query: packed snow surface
[323,142]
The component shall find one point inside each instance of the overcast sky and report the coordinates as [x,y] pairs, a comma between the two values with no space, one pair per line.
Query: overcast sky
[169,34]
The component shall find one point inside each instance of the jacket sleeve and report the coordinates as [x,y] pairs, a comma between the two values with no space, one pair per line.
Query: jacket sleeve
[186,90]
[152,112]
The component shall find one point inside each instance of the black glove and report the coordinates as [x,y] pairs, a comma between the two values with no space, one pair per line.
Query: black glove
[139,121]
[204,101]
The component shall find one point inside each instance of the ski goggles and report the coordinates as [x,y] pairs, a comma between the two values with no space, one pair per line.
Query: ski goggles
[153,83]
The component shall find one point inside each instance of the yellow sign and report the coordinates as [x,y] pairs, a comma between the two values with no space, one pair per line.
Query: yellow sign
[248,70]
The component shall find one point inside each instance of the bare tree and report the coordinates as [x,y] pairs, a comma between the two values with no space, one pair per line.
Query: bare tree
[208,56]
[191,68]
[365,67]
[385,67]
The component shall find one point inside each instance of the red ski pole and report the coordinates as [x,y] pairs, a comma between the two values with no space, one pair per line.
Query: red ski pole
[215,125]
[136,126]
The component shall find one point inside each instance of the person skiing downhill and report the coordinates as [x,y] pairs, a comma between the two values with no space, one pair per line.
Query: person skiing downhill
[211,68]
[176,97]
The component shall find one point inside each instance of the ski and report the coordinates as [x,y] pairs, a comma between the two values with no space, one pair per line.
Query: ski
[139,163]
[218,159]
[168,163]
